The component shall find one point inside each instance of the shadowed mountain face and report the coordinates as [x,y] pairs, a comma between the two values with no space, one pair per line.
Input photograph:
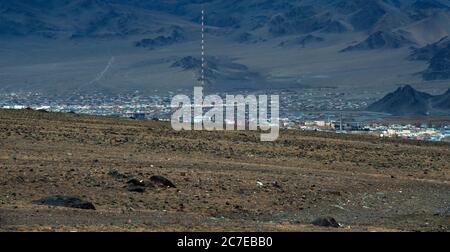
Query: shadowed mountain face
[442,101]
[76,19]
[408,101]
[438,55]
[380,40]
[61,45]
[439,68]
[429,51]
[177,35]
[221,70]
[303,41]
[281,17]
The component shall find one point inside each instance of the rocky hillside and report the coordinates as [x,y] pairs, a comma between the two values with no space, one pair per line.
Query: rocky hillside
[276,18]
[442,101]
[61,45]
[439,68]
[438,56]
[381,40]
[408,101]
[429,51]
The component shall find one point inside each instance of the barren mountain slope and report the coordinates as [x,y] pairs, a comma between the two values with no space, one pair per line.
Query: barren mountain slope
[59,47]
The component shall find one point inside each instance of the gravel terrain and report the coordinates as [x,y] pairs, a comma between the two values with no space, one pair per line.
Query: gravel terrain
[222,181]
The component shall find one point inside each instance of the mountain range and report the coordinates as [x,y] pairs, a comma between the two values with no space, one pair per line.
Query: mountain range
[98,18]
[407,101]
[61,45]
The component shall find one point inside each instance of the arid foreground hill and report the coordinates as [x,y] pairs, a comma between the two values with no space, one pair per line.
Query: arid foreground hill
[224,181]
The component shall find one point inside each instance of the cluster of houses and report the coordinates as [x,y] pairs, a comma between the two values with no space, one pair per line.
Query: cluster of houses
[423,132]
[151,107]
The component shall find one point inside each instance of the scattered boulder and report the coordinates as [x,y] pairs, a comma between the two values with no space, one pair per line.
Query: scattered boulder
[65,201]
[326,222]
[276,184]
[135,185]
[136,182]
[162,181]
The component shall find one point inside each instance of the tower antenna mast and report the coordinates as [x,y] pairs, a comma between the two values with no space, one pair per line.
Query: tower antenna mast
[203,62]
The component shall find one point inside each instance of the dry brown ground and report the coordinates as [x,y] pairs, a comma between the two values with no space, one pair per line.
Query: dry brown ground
[366,183]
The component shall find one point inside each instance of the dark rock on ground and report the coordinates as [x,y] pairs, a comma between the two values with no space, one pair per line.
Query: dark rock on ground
[135,188]
[276,184]
[136,182]
[162,181]
[135,185]
[325,222]
[65,201]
